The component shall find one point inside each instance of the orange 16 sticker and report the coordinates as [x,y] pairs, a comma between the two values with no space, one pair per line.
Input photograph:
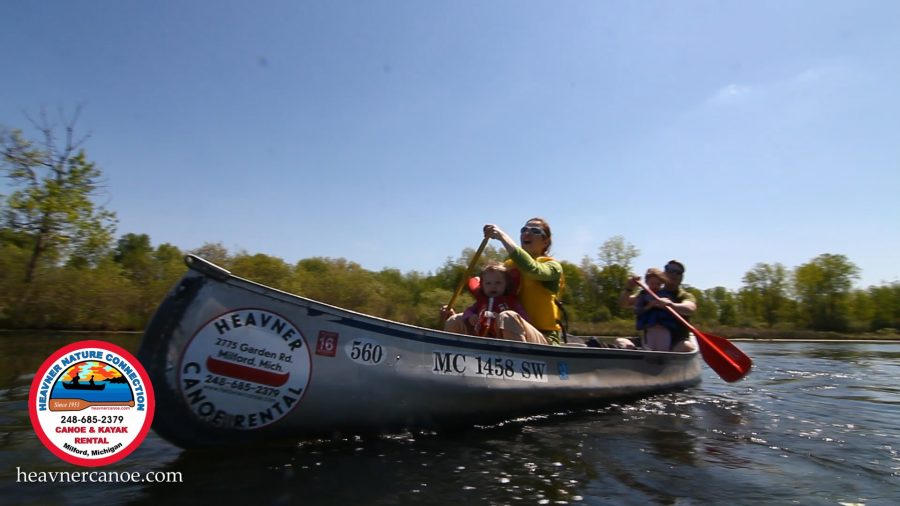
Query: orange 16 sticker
[91,403]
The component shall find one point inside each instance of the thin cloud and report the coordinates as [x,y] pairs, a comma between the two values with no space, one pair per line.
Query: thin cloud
[730,93]
[808,80]
[814,76]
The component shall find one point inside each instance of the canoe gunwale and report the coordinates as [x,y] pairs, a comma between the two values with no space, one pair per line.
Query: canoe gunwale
[407,331]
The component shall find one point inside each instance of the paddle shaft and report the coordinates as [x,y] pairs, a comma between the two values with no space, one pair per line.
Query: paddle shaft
[465,275]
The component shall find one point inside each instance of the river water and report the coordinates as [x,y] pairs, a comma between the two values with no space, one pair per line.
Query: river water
[815,423]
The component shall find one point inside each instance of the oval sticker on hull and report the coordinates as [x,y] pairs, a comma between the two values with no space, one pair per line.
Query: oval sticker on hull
[245,369]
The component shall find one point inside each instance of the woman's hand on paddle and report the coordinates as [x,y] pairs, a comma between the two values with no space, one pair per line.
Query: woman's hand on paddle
[492,231]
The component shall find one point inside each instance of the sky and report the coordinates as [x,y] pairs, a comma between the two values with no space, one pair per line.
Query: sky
[719,133]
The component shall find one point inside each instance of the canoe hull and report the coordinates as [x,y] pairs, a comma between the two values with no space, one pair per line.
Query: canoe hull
[232,360]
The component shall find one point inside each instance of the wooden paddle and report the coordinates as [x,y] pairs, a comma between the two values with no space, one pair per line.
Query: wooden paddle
[729,362]
[465,276]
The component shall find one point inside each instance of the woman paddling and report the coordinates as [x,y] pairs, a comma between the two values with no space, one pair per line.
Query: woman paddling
[541,277]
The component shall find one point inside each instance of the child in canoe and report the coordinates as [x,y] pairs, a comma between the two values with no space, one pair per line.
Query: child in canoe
[656,322]
[496,311]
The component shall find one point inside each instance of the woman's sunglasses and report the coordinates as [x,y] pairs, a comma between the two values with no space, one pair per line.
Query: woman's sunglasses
[533,230]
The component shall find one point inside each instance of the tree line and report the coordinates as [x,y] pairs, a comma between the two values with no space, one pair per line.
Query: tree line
[61,267]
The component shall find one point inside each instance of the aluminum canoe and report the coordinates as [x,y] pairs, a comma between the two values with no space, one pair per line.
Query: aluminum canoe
[232,360]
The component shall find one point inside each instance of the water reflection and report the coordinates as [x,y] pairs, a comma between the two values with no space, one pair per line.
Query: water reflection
[555,459]
[22,353]
[841,352]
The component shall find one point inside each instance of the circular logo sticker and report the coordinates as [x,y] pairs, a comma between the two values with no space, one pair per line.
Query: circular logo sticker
[245,369]
[91,403]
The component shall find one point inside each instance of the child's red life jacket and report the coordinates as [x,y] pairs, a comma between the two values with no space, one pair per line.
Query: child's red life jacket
[488,309]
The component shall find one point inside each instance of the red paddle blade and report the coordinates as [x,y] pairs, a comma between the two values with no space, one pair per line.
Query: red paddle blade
[729,362]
